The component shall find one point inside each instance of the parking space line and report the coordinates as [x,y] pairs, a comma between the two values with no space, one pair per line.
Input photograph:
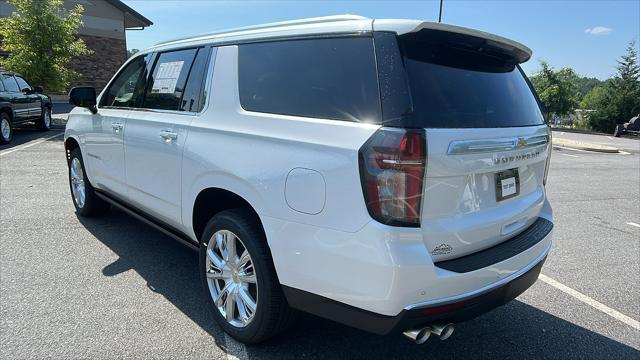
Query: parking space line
[591,302]
[633,224]
[30,144]
[569,155]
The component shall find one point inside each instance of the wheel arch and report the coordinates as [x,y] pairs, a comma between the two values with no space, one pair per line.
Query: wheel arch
[6,108]
[70,143]
[211,201]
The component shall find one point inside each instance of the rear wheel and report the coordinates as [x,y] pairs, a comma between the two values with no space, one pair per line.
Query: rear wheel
[44,123]
[84,197]
[239,278]
[6,132]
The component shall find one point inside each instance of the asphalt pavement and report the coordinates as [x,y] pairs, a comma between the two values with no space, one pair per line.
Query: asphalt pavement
[114,288]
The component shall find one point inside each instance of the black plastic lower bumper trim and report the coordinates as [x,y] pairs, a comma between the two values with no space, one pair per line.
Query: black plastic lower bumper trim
[410,319]
[506,249]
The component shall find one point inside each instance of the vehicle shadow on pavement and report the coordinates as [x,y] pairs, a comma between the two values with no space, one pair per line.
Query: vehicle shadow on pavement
[516,330]
[27,133]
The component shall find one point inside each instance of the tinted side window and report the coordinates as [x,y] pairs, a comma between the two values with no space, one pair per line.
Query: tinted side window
[22,83]
[10,83]
[167,84]
[128,87]
[1,86]
[322,78]
[193,98]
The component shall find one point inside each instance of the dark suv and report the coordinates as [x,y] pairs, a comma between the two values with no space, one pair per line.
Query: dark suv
[21,103]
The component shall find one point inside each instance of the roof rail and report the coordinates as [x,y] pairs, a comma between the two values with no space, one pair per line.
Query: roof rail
[307,21]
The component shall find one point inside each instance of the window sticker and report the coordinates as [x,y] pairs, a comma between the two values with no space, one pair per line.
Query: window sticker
[167,77]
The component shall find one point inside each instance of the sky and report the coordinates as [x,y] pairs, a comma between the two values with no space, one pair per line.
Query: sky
[587,35]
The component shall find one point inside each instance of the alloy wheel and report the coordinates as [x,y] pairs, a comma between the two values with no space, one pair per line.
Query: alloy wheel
[77,182]
[5,128]
[47,118]
[231,278]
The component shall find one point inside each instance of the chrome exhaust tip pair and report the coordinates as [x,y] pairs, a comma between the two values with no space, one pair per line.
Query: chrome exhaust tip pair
[420,336]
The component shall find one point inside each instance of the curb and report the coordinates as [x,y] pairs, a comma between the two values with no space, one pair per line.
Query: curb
[579,145]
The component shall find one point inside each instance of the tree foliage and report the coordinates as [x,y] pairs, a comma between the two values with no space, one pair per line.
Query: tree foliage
[620,98]
[132,52]
[41,37]
[555,89]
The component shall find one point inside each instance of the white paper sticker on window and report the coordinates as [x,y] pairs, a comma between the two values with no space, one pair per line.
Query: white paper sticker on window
[508,186]
[167,77]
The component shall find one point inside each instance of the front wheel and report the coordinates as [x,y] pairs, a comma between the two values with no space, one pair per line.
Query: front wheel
[84,197]
[239,278]
[44,123]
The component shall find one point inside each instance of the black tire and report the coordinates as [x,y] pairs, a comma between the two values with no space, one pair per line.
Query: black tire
[93,205]
[4,117]
[272,315]
[616,131]
[42,124]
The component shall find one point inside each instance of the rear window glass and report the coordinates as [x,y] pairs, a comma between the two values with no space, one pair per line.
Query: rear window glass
[454,86]
[332,78]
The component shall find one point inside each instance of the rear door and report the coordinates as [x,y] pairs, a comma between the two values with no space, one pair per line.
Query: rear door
[18,100]
[487,143]
[156,133]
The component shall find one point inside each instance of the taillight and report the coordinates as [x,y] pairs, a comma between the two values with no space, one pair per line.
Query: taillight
[548,160]
[392,169]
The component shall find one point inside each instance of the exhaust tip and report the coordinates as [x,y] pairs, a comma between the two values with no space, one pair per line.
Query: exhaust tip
[419,336]
[444,331]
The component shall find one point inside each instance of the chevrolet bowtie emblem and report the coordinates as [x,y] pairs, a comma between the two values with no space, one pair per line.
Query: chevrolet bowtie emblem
[522,141]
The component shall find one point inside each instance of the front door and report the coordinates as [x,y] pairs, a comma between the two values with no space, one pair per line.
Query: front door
[31,100]
[105,143]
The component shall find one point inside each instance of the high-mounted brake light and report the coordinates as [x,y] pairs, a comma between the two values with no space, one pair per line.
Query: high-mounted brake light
[392,169]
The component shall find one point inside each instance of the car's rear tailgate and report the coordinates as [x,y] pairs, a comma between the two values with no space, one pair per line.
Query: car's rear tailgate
[461,211]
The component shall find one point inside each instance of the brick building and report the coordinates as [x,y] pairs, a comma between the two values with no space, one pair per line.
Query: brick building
[104,32]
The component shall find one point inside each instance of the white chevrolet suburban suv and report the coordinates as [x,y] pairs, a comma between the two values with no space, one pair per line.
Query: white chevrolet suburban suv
[384,174]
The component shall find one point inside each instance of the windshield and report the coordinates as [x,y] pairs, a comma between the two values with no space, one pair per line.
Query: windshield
[456,83]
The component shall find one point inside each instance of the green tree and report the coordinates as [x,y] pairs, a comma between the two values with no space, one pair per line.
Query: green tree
[555,89]
[41,39]
[593,99]
[132,52]
[621,100]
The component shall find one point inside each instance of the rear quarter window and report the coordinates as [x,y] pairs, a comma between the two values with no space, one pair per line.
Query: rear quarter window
[332,78]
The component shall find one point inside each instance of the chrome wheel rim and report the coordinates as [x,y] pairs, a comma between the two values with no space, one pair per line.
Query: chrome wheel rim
[47,117]
[231,278]
[77,182]
[5,127]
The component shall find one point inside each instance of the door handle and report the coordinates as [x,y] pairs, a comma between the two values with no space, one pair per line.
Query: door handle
[168,136]
[117,127]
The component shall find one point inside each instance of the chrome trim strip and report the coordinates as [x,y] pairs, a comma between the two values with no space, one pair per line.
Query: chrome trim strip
[485,289]
[462,147]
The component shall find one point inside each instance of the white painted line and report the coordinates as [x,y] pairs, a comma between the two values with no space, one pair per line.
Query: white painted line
[28,145]
[623,152]
[609,137]
[591,302]
[569,155]
[633,224]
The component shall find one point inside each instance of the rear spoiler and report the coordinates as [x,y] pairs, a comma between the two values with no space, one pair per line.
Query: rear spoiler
[510,48]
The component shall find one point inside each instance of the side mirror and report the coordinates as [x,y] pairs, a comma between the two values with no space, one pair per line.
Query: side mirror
[38,90]
[27,91]
[84,96]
